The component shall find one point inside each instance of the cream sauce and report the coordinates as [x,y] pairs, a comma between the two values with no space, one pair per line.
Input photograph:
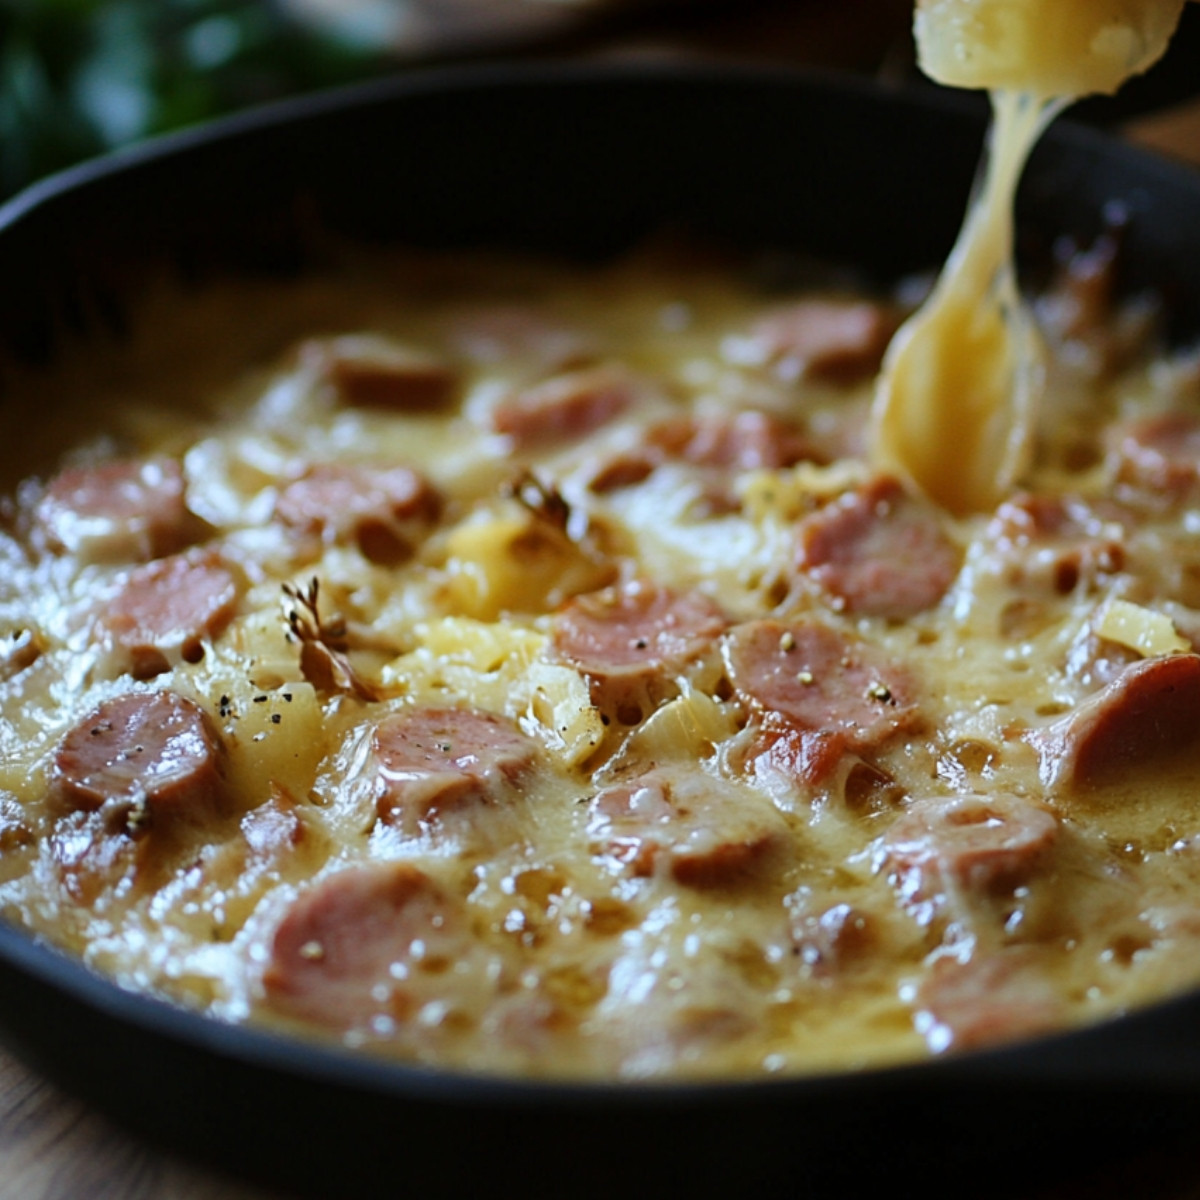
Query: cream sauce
[568,947]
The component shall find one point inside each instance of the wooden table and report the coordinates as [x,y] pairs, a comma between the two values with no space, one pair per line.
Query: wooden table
[52,1147]
[1176,133]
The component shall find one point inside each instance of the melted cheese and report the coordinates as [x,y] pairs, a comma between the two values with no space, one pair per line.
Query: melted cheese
[958,398]
[579,953]
[1048,48]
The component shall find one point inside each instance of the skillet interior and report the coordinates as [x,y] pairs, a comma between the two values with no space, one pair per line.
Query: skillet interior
[584,163]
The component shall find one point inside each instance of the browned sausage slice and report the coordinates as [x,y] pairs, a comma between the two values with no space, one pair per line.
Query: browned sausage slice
[817,679]
[718,446]
[837,340]
[1149,712]
[1161,454]
[973,844]
[625,470]
[367,942]
[745,441]
[156,753]
[877,552]
[373,372]
[514,332]
[432,763]
[805,755]
[1056,543]
[632,640]
[165,609]
[125,510]
[565,407]
[709,833]
[834,941]
[95,853]
[385,511]
[1078,305]
[990,998]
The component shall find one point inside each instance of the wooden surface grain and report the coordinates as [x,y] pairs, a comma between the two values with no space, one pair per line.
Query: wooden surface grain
[52,1147]
[1176,133]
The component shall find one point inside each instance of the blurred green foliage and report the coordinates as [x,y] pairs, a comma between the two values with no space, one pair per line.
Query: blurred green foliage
[78,77]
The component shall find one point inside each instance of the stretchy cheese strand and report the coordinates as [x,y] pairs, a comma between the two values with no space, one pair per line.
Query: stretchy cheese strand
[957,401]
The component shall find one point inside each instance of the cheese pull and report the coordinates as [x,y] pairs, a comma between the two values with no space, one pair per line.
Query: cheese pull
[957,400]
[1064,48]
[957,396]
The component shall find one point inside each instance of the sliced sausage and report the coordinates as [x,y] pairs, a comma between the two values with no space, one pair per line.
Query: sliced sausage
[164,610]
[745,441]
[15,830]
[151,755]
[385,511]
[1032,517]
[966,844]
[566,407]
[991,998]
[1161,454]
[627,469]
[842,431]
[1150,712]
[126,510]
[838,340]
[369,371]
[138,771]
[93,856]
[817,679]
[1080,314]
[1056,544]
[877,552]
[704,832]
[367,942]
[631,642]
[433,763]
[1093,661]
[806,755]
[506,332]
[831,942]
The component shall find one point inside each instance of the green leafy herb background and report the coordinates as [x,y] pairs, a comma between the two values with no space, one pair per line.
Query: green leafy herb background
[78,77]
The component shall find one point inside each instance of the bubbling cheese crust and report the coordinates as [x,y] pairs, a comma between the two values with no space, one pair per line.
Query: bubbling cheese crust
[1045,47]
[504,666]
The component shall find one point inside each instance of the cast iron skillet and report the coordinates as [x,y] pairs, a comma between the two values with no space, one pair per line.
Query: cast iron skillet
[582,162]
